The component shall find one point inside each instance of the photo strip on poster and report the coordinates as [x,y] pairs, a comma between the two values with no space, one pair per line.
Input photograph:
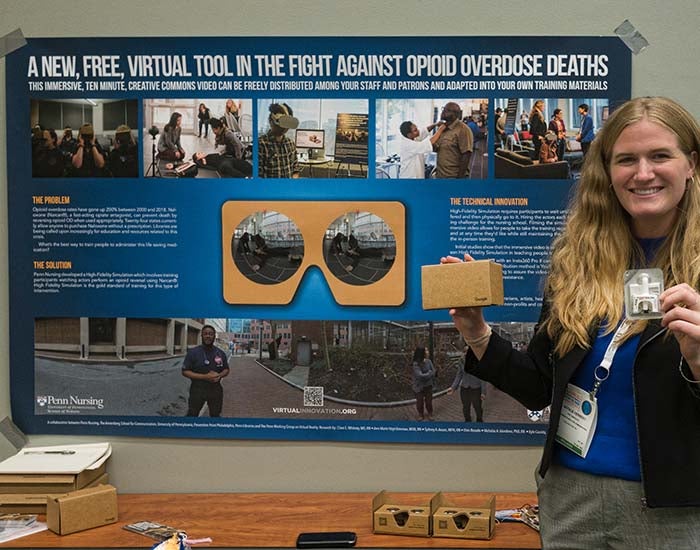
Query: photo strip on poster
[246,210]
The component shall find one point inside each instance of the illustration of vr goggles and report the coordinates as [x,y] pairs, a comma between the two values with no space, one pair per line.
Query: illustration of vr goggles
[358,246]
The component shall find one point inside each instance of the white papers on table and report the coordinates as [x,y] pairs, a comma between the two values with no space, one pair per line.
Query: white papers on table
[57,459]
[12,533]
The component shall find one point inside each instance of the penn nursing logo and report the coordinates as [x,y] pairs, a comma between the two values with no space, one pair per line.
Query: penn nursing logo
[535,416]
[72,402]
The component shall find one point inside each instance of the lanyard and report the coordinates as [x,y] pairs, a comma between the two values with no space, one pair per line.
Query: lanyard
[602,371]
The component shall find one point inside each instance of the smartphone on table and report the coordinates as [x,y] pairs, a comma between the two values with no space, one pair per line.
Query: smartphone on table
[335,539]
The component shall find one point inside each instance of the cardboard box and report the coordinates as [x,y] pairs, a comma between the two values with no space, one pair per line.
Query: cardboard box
[392,517]
[463,284]
[53,484]
[463,522]
[35,503]
[27,493]
[22,504]
[83,509]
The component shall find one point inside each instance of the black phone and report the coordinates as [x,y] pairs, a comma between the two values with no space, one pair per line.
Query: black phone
[336,539]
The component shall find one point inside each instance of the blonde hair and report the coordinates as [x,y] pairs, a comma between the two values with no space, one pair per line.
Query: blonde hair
[537,111]
[590,256]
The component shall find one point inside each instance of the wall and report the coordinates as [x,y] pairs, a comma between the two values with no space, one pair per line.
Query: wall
[667,67]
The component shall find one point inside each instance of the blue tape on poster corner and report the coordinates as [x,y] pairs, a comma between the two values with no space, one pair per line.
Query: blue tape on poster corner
[11,42]
[631,36]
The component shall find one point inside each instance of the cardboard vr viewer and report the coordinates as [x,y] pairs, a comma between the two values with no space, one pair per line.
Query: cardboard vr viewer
[462,284]
[431,516]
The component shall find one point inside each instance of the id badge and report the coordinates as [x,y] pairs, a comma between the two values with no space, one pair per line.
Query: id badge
[579,416]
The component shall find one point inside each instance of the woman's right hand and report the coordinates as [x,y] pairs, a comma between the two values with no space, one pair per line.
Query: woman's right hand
[469,320]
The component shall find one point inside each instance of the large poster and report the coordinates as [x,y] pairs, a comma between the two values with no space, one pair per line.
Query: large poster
[276,198]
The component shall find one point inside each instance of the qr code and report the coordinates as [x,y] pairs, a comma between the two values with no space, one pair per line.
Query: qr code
[313,396]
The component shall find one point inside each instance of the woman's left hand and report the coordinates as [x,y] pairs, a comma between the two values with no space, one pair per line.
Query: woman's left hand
[680,305]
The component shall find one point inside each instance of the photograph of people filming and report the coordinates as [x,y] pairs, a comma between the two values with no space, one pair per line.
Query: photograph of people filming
[197,138]
[313,138]
[84,138]
[545,138]
[431,139]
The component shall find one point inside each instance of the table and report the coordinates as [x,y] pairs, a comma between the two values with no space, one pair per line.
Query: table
[273,520]
[310,162]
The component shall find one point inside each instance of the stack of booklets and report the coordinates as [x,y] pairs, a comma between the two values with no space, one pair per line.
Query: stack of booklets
[31,474]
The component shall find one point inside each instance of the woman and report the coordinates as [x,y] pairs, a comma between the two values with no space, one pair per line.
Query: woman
[423,378]
[169,146]
[203,115]
[538,127]
[230,161]
[557,126]
[637,205]
[232,115]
